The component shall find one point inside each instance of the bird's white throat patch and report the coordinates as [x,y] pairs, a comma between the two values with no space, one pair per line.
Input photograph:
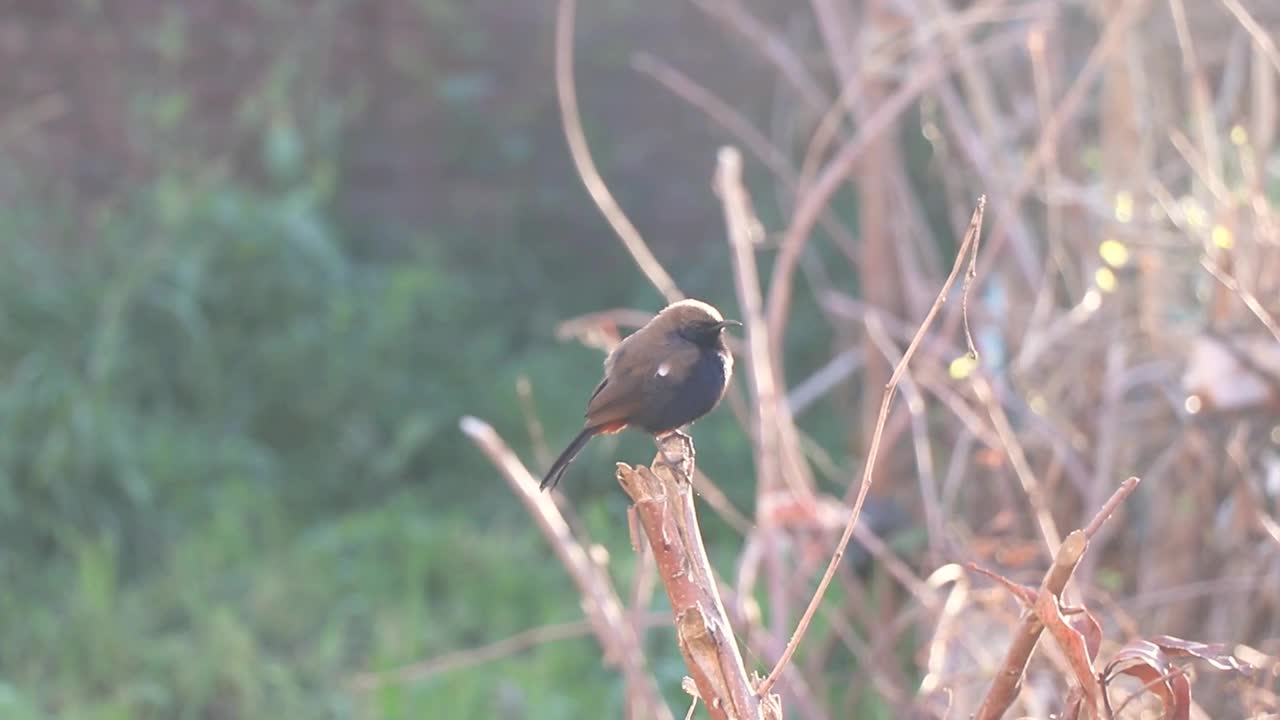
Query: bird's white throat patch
[664,369]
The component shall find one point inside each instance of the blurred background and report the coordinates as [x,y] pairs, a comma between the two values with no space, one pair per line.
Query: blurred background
[260,256]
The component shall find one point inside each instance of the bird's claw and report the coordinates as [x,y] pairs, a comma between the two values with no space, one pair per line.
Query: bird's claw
[684,462]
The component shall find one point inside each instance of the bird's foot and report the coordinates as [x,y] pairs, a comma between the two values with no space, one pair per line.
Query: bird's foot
[681,461]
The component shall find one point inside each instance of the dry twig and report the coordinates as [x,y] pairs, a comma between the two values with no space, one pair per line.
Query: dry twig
[777,447]
[663,498]
[1004,689]
[604,609]
[497,650]
[968,246]
[577,140]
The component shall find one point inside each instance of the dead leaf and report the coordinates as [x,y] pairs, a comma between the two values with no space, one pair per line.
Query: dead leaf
[1074,645]
[1233,373]
[1074,703]
[1083,622]
[1152,667]
[1212,653]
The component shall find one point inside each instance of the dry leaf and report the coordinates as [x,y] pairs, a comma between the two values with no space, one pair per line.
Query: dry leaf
[1234,373]
[1074,704]
[1150,665]
[1214,654]
[1083,622]
[1074,645]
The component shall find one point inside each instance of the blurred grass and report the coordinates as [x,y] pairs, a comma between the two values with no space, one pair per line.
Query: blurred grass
[230,474]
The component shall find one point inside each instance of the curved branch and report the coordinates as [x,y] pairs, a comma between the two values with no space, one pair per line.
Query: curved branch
[967,247]
[815,199]
[577,140]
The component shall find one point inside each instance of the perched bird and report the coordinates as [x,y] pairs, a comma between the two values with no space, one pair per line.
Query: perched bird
[660,378]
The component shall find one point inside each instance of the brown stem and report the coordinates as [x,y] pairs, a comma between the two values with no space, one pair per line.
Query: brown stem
[581,153]
[814,200]
[969,245]
[778,460]
[605,611]
[1004,689]
[663,498]
[1126,488]
[1005,686]
[778,457]
[470,657]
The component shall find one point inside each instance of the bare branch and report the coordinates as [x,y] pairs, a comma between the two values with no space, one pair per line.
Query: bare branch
[604,609]
[772,416]
[836,172]
[473,656]
[1018,457]
[663,498]
[1126,488]
[1004,689]
[1265,40]
[969,245]
[577,139]
[1112,40]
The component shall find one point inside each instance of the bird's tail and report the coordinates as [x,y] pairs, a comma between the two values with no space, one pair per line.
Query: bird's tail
[558,467]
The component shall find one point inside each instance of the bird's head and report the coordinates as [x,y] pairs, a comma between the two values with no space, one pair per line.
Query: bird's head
[695,321]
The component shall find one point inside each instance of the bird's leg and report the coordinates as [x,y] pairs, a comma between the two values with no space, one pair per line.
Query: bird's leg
[686,451]
[686,445]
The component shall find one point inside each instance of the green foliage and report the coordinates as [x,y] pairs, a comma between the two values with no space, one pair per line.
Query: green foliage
[230,471]
[231,474]
[274,634]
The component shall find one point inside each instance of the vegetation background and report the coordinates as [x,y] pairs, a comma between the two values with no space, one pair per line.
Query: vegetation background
[261,255]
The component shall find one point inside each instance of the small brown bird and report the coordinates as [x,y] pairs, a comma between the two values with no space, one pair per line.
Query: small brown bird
[660,378]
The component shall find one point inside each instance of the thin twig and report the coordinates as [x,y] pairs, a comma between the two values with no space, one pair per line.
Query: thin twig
[693,705]
[975,145]
[1250,301]
[1018,458]
[473,656]
[1112,39]
[918,408]
[1140,691]
[743,131]
[777,456]
[969,245]
[1265,40]
[1126,488]
[529,409]
[833,176]
[772,416]
[577,139]
[813,388]
[765,41]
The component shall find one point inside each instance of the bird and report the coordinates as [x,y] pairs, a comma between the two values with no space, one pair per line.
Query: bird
[660,378]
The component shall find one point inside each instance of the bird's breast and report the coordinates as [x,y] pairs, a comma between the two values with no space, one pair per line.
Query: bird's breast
[673,402]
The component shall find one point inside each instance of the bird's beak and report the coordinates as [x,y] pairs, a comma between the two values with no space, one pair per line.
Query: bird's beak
[727,323]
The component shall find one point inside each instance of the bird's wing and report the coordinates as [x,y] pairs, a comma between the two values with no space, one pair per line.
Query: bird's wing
[602,407]
[615,399]
[603,381]
[640,378]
